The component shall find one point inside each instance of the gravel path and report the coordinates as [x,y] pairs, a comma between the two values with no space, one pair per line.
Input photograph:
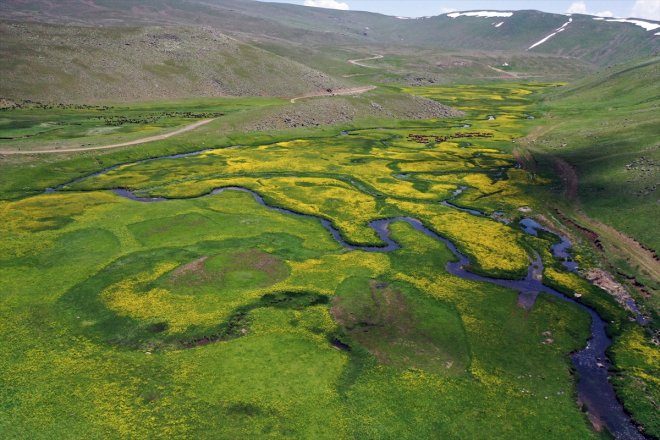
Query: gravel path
[106,147]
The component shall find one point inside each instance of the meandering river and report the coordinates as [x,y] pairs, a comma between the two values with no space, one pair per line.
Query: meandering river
[591,363]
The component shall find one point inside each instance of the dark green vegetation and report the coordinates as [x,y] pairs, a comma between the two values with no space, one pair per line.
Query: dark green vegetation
[600,135]
[405,329]
[606,128]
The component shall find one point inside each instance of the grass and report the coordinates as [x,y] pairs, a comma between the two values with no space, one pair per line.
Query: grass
[34,125]
[401,326]
[603,127]
[616,184]
[271,379]
[216,316]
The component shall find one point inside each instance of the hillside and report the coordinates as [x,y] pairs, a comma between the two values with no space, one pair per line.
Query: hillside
[589,39]
[600,135]
[607,130]
[161,49]
[73,63]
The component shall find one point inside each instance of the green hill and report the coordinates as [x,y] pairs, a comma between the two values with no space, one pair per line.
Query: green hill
[120,50]
[598,41]
[605,127]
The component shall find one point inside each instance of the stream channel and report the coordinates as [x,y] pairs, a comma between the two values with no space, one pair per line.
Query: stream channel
[591,363]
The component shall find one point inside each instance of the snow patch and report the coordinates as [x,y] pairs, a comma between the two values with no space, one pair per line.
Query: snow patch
[644,24]
[561,28]
[570,20]
[327,4]
[487,14]
[499,24]
[413,18]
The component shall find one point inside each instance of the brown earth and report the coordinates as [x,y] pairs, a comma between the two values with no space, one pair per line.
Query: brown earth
[196,273]
[336,92]
[606,281]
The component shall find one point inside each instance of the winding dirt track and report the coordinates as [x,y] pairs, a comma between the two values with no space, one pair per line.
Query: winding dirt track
[106,147]
[345,92]
[160,137]
[504,72]
[358,63]
[338,92]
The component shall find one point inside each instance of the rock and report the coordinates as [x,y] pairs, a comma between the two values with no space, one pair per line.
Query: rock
[606,281]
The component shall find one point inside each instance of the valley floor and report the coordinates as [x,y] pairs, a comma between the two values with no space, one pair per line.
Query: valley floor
[342,282]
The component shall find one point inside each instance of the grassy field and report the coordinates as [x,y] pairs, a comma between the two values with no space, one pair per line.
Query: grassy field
[607,156]
[218,317]
[600,136]
[108,330]
[32,126]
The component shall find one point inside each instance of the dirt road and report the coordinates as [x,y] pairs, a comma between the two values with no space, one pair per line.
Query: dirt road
[345,92]
[358,63]
[106,147]
[337,92]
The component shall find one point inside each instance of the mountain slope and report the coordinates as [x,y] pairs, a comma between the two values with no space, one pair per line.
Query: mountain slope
[602,137]
[72,63]
[598,41]
[100,50]
[605,127]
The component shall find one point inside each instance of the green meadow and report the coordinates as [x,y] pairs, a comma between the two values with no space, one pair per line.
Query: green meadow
[211,315]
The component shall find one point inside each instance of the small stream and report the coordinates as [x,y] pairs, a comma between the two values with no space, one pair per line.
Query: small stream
[559,250]
[114,167]
[591,364]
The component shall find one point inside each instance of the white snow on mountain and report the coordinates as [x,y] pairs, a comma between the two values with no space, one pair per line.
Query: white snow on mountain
[487,14]
[562,28]
[644,24]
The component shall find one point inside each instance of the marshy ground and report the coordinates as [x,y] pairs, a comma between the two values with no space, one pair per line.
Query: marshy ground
[210,314]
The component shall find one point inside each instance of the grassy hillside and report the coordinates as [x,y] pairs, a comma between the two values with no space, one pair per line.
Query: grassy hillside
[72,64]
[600,138]
[161,49]
[593,41]
[606,127]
